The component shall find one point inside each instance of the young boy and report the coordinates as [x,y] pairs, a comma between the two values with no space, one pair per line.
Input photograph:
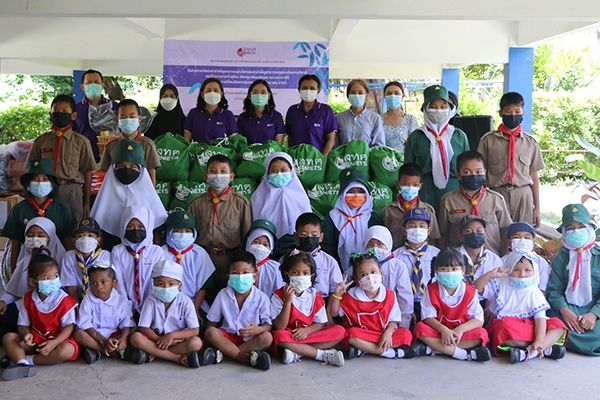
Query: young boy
[521,236]
[223,216]
[128,116]
[71,154]
[168,326]
[245,312]
[105,316]
[416,254]
[473,198]
[514,159]
[479,259]
[74,265]
[408,185]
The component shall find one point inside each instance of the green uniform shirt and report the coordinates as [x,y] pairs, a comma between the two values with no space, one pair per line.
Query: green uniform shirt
[332,235]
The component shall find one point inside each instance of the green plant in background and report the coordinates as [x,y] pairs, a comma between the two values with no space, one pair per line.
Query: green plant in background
[23,123]
[591,169]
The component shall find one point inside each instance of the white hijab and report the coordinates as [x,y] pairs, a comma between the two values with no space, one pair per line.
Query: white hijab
[437,169]
[116,196]
[582,293]
[18,284]
[145,216]
[382,234]
[281,206]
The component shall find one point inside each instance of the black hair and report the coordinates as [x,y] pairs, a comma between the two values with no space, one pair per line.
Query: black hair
[357,261]
[91,71]
[201,104]
[242,256]
[308,218]
[128,102]
[221,158]
[359,82]
[168,86]
[111,272]
[409,169]
[291,260]
[40,259]
[468,156]
[64,98]
[309,77]
[511,98]
[453,98]
[280,159]
[448,258]
[395,83]
[249,107]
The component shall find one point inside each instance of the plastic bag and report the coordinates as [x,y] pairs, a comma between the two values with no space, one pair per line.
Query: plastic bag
[323,197]
[185,192]
[309,164]
[163,189]
[252,160]
[103,119]
[354,154]
[173,151]
[244,186]
[200,153]
[384,163]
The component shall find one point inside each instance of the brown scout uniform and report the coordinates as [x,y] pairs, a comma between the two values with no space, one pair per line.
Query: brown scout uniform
[393,215]
[150,154]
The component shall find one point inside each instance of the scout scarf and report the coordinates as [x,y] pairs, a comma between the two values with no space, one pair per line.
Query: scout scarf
[512,150]
[83,264]
[579,287]
[440,148]
[471,270]
[41,210]
[416,276]
[216,200]
[473,200]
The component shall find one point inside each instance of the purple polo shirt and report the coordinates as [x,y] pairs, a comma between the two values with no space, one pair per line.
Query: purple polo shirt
[82,123]
[259,130]
[311,127]
[206,127]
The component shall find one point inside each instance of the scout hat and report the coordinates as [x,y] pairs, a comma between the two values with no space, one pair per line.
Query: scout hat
[129,150]
[44,166]
[435,92]
[575,213]
[87,224]
[519,227]
[180,219]
[416,214]
[169,269]
[349,175]
[467,219]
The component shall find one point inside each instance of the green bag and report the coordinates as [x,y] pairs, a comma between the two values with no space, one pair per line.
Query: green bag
[384,163]
[235,142]
[382,196]
[163,189]
[309,164]
[200,153]
[174,160]
[244,186]
[323,197]
[354,154]
[184,192]
[252,159]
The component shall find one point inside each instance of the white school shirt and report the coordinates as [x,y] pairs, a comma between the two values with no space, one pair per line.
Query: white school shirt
[303,303]
[124,263]
[329,274]
[197,268]
[491,261]
[46,306]
[541,268]
[360,295]
[397,278]
[507,301]
[180,315]
[475,311]
[407,259]
[70,273]
[106,317]
[256,309]
[269,277]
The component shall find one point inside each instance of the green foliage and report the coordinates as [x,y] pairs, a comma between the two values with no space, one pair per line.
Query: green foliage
[23,123]
[340,107]
[35,89]
[556,68]
[591,169]
[487,72]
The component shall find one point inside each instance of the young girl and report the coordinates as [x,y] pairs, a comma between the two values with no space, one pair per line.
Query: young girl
[451,316]
[46,322]
[261,243]
[520,325]
[370,312]
[300,317]
[169,114]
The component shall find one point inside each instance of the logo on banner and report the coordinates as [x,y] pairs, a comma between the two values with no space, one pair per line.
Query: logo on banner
[244,51]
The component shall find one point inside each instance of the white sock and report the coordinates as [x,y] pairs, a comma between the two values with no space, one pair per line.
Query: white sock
[319,356]
[548,351]
[532,354]
[429,351]
[460,354]
[29,359]
[22,361]
[389,353]
[400,353]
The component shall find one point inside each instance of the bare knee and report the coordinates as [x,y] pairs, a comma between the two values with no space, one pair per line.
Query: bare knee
[194,343]
[65,351]
[10,338]
[79,335]
[212,333]
[137,339]
[265,339]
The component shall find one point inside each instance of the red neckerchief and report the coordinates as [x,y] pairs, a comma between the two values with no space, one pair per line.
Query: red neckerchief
[258,265]
[407,205]
[216,199]
[580,252]
[512,150]
[473,200]
[179,254]
[349,220]
[41,210]
[438,139]
[59,135]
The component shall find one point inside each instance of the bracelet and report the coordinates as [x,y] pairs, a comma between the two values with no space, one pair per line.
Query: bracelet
[335,296]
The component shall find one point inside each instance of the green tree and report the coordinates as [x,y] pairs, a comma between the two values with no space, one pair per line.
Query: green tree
[556,68]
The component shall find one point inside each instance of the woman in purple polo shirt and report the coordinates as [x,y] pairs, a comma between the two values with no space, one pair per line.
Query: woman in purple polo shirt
[260,121]
[310,121]
[210,119]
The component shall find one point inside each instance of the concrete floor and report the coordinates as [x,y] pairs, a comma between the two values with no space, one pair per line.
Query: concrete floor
[367,378]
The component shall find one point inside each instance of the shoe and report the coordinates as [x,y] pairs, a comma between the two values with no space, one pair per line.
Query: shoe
[353,352]
[90,356]
[289,357]
[19,371]
[137,356]
[408,352]
[420,349]
[260,360]
[193,360]
[557,352]
[209,357]
[4,362]
[482,353]
[333,357]
[518,355]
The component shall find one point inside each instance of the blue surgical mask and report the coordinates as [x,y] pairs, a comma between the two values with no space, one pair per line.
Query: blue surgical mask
[380,253]
[166,295]
[521,283]
[357,100]
[241,283]
[450,279]
[129,125]
[393,101]
[92,90]
[577,237]
[259,100]
[181,240]
[49,286]
[281,179]
[40,189]
[409,193]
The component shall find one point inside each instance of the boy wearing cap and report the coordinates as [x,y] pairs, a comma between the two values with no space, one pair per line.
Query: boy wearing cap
[168,327]
[105,316]
[435,146]
[75,263]
[479,259]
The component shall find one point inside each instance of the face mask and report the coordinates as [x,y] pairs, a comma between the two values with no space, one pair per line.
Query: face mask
[127,175]
[259,100]
[521,244]
[168,103]
[409,193]
[450,279]
[281,179]
[182,240]
[129,125]
[300,283]
[474,240]
[40,189]
[241,283]
[212,98]
[308,243]
[166,295]
[309,95]
[357,100]
[416,235]
[92,90]
[86,244]
[393,101]
[380,253]
[259,251]
[438,116]
[61,119]
[577,237]
[512,121]
[135,235]
[36,242]
[355,200]
[218,181]
[521,283]
[472,182]
[48,287]
[371,282]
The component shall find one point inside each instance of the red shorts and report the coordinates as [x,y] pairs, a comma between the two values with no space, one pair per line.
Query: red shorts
[401,337]
[424,330]
[521,329]
[235,339]
[327,334]
[39,339]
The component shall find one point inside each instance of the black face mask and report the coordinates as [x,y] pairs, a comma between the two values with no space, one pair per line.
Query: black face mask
[308,243]
[474,240]
[512,121]
[472,182]
[61,119]
[135,235]
[126,175]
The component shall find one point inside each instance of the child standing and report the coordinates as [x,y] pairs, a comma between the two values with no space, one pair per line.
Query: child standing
[479,258]
[521,236]
[260,243]
[300,318]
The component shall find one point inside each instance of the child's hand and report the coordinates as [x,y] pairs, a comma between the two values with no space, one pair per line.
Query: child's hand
[448,337]
[28,340]
[386,340]
[458,332]
[122,345]
[571,320]
[539,347]
[587,321]
[165,341]
[289,293]
[3,307]
[113,344]
[47,347]
[499,272]
[251,330]
[342,287]
[300,333]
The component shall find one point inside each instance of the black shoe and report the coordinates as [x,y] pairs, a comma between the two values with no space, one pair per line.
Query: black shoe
[193,360]
[137,356]
[260,360]
[209,357]
[482,353]
[408,352]
[4,362]
[353,352]
[420,349]
[90,356]
[558,352]
[516,355]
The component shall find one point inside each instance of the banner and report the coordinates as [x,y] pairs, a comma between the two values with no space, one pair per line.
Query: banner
[237,64]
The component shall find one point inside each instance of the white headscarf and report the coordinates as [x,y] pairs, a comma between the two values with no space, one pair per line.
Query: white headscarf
[581,294]
[256,233]
[352,234]
[145,216]
[281,206]
[437,169]
[116,196]
[18,284]
[382,234]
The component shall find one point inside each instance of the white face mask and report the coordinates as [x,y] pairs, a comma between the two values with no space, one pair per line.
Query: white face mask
[521,244]
[35,242]
[218,181]
[168,103]
[309,95]
[86,244]
[212,98]
[438,116]
[416,235]
[300,283]
[371,282]
[259,251]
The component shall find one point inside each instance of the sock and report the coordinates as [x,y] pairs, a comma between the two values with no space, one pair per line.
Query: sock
[523,355]
[428,351]
[400,353]
[319,356]
[460,354]
[532,354]
[22,361]
[389,353]
[548,351]
[29,359]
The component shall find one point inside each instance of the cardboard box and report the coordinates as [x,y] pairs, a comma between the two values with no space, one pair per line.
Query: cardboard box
[6,204]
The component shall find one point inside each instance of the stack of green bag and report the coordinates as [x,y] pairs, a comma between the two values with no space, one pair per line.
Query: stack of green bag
[173,152]
[309,164]
[384,163]
[354,154]
[323,197]
[184,192]
[244,186]
[252,159]
[163,189]
[382,196]
[201,152]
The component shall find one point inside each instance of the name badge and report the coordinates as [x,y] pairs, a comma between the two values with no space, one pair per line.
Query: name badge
[316,125]
[270,125]
[461,211]
[219,123]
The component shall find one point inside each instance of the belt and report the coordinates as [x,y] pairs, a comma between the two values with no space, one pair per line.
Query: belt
[69,182]
[510,186]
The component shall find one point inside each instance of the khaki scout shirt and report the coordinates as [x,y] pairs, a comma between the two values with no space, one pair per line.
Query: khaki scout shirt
[150,154]
[494,148]
[74,160]
[393,215]
[454,206]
